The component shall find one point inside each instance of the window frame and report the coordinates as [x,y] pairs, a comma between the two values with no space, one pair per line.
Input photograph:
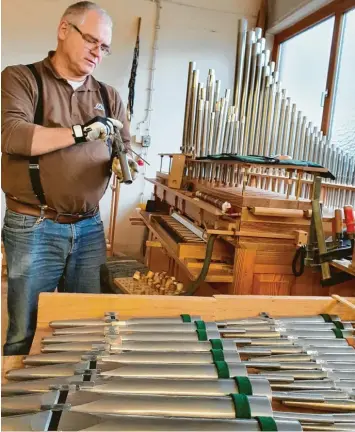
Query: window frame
[336,9]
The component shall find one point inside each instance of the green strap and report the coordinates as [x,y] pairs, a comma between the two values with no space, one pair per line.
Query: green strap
[326,317]
[339,325]
[217,354]
[200,325]
[202,335]
[222,369]
[216,344]
[267,424]
[185,318]
[338,333]
[241,406]
[244,385]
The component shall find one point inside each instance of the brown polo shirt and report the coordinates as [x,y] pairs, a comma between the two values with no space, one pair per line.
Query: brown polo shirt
[74,179]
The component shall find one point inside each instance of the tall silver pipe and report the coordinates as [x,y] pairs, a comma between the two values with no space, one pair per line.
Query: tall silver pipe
[308,141]
[281,123]
[291,138]
[216,123]
[270,117]
[193,109]
[231,134]
[211,133]
[224,122]
[220,125]
[275,120]
[204,143]
[236,143]
[259,70]
[217,92]
[198,127]
[297,141]
[242,39]
[255,59]
[247,67]
[258,143]
[190,77]
[264,116]
[286,128]
[225,138]
[258,33]
[314,144]
[301,148]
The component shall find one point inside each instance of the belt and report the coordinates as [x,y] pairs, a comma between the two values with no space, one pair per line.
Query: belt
[47,213]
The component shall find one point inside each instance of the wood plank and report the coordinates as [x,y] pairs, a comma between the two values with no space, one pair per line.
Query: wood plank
[244,306]
[214,275]
[266,244]
[55,306]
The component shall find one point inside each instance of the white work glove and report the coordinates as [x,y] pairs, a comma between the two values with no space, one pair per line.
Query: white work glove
[95,129]
[116,168]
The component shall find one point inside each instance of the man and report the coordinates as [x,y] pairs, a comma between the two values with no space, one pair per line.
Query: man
[57,128]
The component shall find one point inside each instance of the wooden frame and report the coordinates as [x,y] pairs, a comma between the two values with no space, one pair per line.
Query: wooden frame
[336,9]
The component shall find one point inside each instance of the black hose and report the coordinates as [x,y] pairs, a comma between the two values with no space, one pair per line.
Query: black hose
[299,255]
[194,285]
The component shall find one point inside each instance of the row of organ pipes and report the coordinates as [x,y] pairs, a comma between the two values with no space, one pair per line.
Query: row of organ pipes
[261,120]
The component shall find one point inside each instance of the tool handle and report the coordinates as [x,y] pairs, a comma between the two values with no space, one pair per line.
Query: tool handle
[338,222]
[349,219]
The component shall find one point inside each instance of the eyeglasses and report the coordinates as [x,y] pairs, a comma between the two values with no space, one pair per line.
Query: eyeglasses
[92,42]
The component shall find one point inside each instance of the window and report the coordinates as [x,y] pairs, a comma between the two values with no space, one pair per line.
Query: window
[342,125]
[303,68]
[317,67]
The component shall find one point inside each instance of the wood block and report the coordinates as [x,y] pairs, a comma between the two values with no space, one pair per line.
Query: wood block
[274,257]
[243,271]
[272,284]
[177,171]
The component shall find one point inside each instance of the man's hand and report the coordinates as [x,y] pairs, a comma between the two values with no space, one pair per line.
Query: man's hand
[95,129]
[116,168]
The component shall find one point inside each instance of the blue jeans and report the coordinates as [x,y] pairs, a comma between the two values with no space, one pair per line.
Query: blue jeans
[41,256]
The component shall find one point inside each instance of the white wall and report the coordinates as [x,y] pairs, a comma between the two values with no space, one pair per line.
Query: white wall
[204,31]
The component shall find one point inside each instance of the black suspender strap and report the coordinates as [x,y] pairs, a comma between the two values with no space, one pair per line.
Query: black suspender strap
[34,160]
[105,99]
[108,113]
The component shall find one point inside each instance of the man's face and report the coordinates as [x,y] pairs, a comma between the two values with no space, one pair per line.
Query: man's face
[84,42]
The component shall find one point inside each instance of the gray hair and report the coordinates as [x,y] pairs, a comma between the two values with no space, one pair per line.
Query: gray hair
[80,8]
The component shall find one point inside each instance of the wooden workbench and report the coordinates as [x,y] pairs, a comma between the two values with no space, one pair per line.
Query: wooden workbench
[55,306]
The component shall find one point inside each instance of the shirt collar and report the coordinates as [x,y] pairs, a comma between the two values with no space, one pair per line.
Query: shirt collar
[90,83]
